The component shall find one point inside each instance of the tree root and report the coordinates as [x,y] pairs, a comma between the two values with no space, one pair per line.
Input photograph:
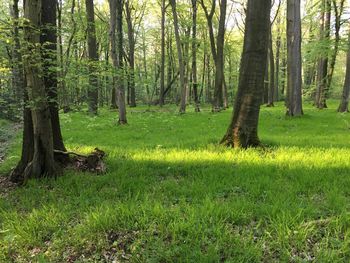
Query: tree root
[91,163]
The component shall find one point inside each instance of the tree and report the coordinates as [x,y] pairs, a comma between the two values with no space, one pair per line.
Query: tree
[194,55]
[48,40]
[93,57]
[180,58]
[162,55]
[344,103]
[325,21]
[43,162]
[217,50]
[116,39]
[243,129]
[294,79]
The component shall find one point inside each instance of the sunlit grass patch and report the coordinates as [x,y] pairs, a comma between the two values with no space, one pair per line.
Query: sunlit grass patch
[171,193]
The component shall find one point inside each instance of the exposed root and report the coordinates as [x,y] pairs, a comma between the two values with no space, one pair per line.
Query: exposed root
[91,163]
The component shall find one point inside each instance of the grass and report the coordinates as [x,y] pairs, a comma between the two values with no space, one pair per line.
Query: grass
[171,194]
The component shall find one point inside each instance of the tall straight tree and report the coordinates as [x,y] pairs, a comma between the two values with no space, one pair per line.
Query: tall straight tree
[38,135]
[194,55]
[93,57]
[116,39]
[162,55]
[217,50]
[17,67]
[42,163]
[344,103]
[131,40]
[243,129]
[294,79]
[180,58]
[48,40]
[325,22]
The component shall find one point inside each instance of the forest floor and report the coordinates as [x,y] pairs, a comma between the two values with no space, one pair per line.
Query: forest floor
[172,194]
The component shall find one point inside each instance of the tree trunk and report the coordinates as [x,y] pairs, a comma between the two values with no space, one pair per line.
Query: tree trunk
[43,163]
[294,79]
[321,92]
[93,57]
[243,130]
[116,39]
[162,61]
[271,90]
[131,40]
[194,56]
[277,59]
[48,40]
[219,61]
[180,58]
[17,67]
[338,11]
[344,103]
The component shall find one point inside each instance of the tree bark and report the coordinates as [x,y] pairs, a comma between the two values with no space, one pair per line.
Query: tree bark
[194,56]
[43,163]
[271,89]
[131,40]
[180,58]
[294,79]
[321,93]
[17,67]
[93,57]
[243,129]
[344,103]
[219,62]
[48,40]
[116,39]
[162,61]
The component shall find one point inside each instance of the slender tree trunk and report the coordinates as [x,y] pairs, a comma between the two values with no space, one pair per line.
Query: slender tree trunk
[194,56]
[338,11]
[294,79]
[116,39]
[243,129]
[277,59]
[131,40]
[219,61]
[321,92]
[162,61]
[271,90]
[17,67]
[93,57]
[344,103]
[180,58]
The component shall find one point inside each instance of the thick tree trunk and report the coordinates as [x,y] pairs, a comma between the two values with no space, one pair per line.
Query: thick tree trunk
[344,103]
[180,58]
[243,130]
[48,40]
[294,79]
[43,163]
[93,57]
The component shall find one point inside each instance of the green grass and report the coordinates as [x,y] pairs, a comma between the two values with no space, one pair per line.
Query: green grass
[171,194]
